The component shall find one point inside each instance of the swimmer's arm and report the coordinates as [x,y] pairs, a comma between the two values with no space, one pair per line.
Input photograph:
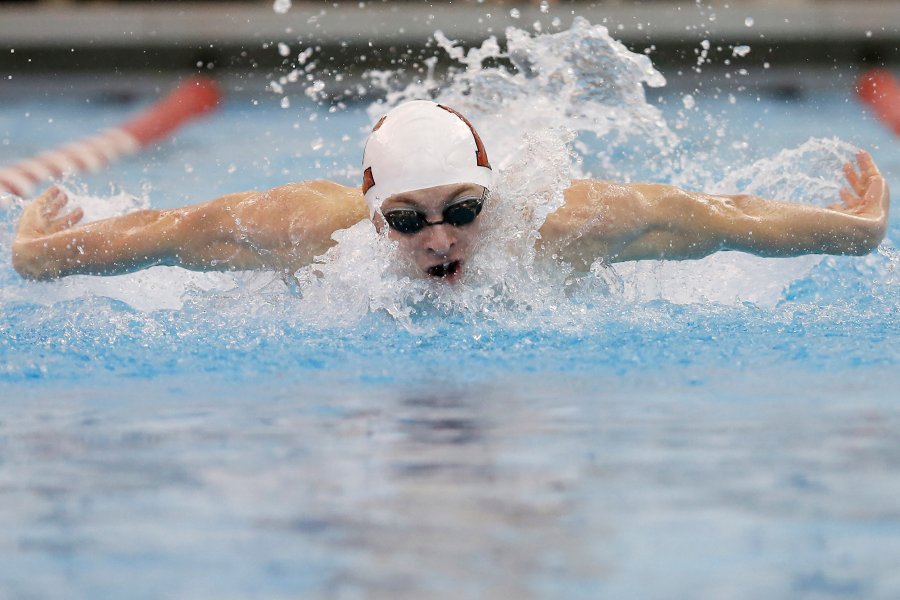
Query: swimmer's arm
[650,221]
[280,229]
[51,244]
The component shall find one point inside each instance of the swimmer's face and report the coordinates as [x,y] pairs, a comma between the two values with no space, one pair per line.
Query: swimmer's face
[440,251]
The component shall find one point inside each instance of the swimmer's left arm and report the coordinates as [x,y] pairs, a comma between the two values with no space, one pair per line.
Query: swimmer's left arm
[652,221]
[772,228]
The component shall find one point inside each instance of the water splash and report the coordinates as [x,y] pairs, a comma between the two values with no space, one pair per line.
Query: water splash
[582,94]
[504,281]
[547,106]
[580,80]
[803,174]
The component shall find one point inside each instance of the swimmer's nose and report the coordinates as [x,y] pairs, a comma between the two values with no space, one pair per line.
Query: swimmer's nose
[439,239]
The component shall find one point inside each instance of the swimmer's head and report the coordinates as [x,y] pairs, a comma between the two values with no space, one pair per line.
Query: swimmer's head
[421,144]
[425,177]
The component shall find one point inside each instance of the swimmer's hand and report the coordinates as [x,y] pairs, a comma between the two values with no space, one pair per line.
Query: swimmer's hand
[42,217]
[867,197]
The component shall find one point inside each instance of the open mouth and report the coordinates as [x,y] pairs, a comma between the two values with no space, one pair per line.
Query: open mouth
[444,270]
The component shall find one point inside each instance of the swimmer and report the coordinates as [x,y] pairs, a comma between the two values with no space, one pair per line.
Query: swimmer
[426,183]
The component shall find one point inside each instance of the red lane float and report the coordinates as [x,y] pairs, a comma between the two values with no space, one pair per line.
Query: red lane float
[190,99]
[880,89]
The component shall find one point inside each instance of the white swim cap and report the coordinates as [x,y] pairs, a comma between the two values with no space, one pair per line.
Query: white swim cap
[421,144]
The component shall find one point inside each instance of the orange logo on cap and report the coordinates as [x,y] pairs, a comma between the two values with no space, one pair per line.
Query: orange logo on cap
[368,180]
[481,157]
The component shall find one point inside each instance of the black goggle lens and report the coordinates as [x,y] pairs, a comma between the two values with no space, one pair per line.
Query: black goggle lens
[457,214]
[463,212]
[405,221]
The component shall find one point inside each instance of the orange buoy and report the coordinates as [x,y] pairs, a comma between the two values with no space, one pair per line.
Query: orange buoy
[880,89]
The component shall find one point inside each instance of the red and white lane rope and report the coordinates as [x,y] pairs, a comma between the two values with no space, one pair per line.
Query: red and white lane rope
[880,89]
[192,98]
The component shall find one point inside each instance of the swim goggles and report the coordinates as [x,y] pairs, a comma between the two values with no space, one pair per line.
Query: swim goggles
[409,221]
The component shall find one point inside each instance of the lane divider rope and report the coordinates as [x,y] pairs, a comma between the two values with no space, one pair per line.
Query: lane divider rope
[192,98]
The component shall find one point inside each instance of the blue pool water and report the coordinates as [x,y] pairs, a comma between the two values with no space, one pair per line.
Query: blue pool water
[722,428]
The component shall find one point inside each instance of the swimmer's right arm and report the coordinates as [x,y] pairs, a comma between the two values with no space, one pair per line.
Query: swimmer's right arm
[51,244]
[281,229]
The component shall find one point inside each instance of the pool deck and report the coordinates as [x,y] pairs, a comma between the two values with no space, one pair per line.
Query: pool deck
[159,37]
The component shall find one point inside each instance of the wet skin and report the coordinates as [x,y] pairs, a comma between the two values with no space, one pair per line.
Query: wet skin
[286,228]
[441,250]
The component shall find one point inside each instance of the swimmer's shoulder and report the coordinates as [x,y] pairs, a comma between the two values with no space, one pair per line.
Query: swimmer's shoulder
[335,205]
[596,218]
[585,201]
[320,190]
[597,191]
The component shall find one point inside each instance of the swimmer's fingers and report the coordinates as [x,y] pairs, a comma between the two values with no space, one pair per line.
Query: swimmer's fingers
[867,166]
[876,197]
[874,188]
[52,201]
[43,217]
[65,221]
[868,189]
[873,202]
[850,199]
[34,217]
[853,178]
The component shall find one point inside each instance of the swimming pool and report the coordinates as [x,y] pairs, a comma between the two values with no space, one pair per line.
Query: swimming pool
[715,429]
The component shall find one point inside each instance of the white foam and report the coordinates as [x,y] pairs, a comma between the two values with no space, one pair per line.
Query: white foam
[563,89]
[582,82]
